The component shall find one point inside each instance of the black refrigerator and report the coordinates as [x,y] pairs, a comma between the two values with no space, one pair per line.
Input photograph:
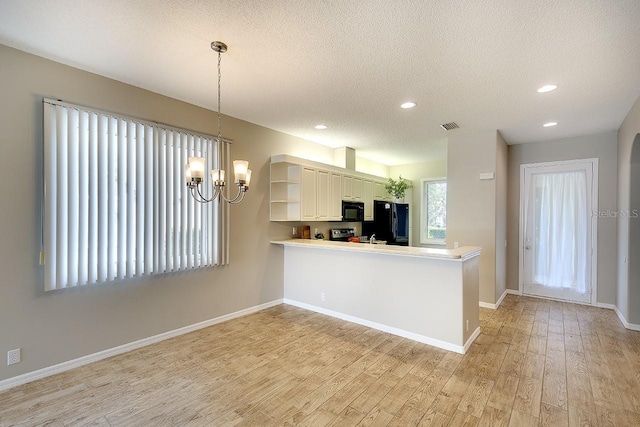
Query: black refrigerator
[390,223]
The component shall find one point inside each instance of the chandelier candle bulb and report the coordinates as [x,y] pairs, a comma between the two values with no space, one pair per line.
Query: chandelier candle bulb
[240,168]
[217,175]
[187,173]
[197,167]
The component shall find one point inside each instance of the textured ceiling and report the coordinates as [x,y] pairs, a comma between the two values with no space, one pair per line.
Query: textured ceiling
[350,64]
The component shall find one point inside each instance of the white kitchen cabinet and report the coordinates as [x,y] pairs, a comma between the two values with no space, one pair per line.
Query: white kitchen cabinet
[285,192]
[367,198]
[379,192]
[347,187]
[309,191]
[303,190]
[320,198]
[351,188]
[335,198]
[357,189]
[323,195]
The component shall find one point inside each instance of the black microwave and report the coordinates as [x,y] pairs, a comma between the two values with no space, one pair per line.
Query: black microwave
[352,211]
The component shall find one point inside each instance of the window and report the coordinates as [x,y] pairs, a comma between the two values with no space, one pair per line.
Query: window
[116,204]
[433,215]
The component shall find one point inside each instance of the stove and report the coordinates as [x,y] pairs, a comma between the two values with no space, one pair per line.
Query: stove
[342,234]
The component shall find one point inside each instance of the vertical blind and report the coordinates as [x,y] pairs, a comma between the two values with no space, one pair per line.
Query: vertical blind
[116,204]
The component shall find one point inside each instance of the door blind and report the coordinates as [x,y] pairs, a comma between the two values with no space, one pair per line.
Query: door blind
[116,205]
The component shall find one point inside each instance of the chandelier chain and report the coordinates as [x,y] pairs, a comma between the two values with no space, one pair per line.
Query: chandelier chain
[219,77]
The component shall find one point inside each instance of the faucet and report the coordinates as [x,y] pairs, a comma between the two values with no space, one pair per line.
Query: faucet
[372,239]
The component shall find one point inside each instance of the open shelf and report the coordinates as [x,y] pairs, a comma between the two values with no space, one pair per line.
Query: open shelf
[285,192]
[285,211]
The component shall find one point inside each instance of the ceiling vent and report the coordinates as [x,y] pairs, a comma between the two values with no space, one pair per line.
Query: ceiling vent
[450,126]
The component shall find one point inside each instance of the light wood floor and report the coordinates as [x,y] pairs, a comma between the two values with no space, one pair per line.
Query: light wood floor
[536,362]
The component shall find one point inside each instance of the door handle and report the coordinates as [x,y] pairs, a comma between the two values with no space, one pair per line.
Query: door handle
[527,247]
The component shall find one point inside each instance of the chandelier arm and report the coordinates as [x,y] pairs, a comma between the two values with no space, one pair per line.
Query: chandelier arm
[201,198]
[236,199]
[195,195]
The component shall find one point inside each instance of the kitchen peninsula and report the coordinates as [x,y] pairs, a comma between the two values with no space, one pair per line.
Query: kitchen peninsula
[428,295]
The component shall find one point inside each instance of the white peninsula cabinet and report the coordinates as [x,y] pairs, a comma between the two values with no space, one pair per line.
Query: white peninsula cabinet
[303,190]
[427,295]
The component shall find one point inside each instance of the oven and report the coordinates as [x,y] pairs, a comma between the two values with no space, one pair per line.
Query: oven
[342,234]
[352,211]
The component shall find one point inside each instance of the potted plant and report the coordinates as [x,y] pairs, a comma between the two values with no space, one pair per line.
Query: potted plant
[398,188]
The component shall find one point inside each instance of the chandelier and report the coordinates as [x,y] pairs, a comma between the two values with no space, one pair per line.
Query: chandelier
[194,169]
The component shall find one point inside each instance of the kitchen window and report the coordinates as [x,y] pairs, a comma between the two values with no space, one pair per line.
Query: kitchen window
[115,201]
[433,215]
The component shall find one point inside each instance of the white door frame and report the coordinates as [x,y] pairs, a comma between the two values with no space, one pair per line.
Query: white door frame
[594,222]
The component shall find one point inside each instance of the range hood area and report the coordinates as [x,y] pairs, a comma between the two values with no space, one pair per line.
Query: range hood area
[345,157]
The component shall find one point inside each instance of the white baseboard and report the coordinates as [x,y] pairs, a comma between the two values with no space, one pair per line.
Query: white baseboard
[471,339]
[497,304]
[389,329]
[514,292]
[631,326]
[70,364]
[625,323]
[607,306]
[504,294]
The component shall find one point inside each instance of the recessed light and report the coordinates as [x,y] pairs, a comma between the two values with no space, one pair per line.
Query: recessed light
[547,88]
[408,105]
[321,127]
[548,125]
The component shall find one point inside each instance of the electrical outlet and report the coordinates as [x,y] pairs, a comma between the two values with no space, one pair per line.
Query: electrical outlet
[323,297]
[13,356]
[295,231]
[455,245]
[467,326]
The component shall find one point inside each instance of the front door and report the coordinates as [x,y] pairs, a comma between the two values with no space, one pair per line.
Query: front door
[557,203]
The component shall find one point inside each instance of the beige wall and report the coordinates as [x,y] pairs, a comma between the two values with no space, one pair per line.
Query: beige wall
[634,234]
[627,134]
[58,326]
[373,168]
[415,172]
[602,147]
[502,162]
[471,202]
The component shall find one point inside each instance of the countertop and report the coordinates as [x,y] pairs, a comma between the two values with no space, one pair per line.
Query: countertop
[459,254]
